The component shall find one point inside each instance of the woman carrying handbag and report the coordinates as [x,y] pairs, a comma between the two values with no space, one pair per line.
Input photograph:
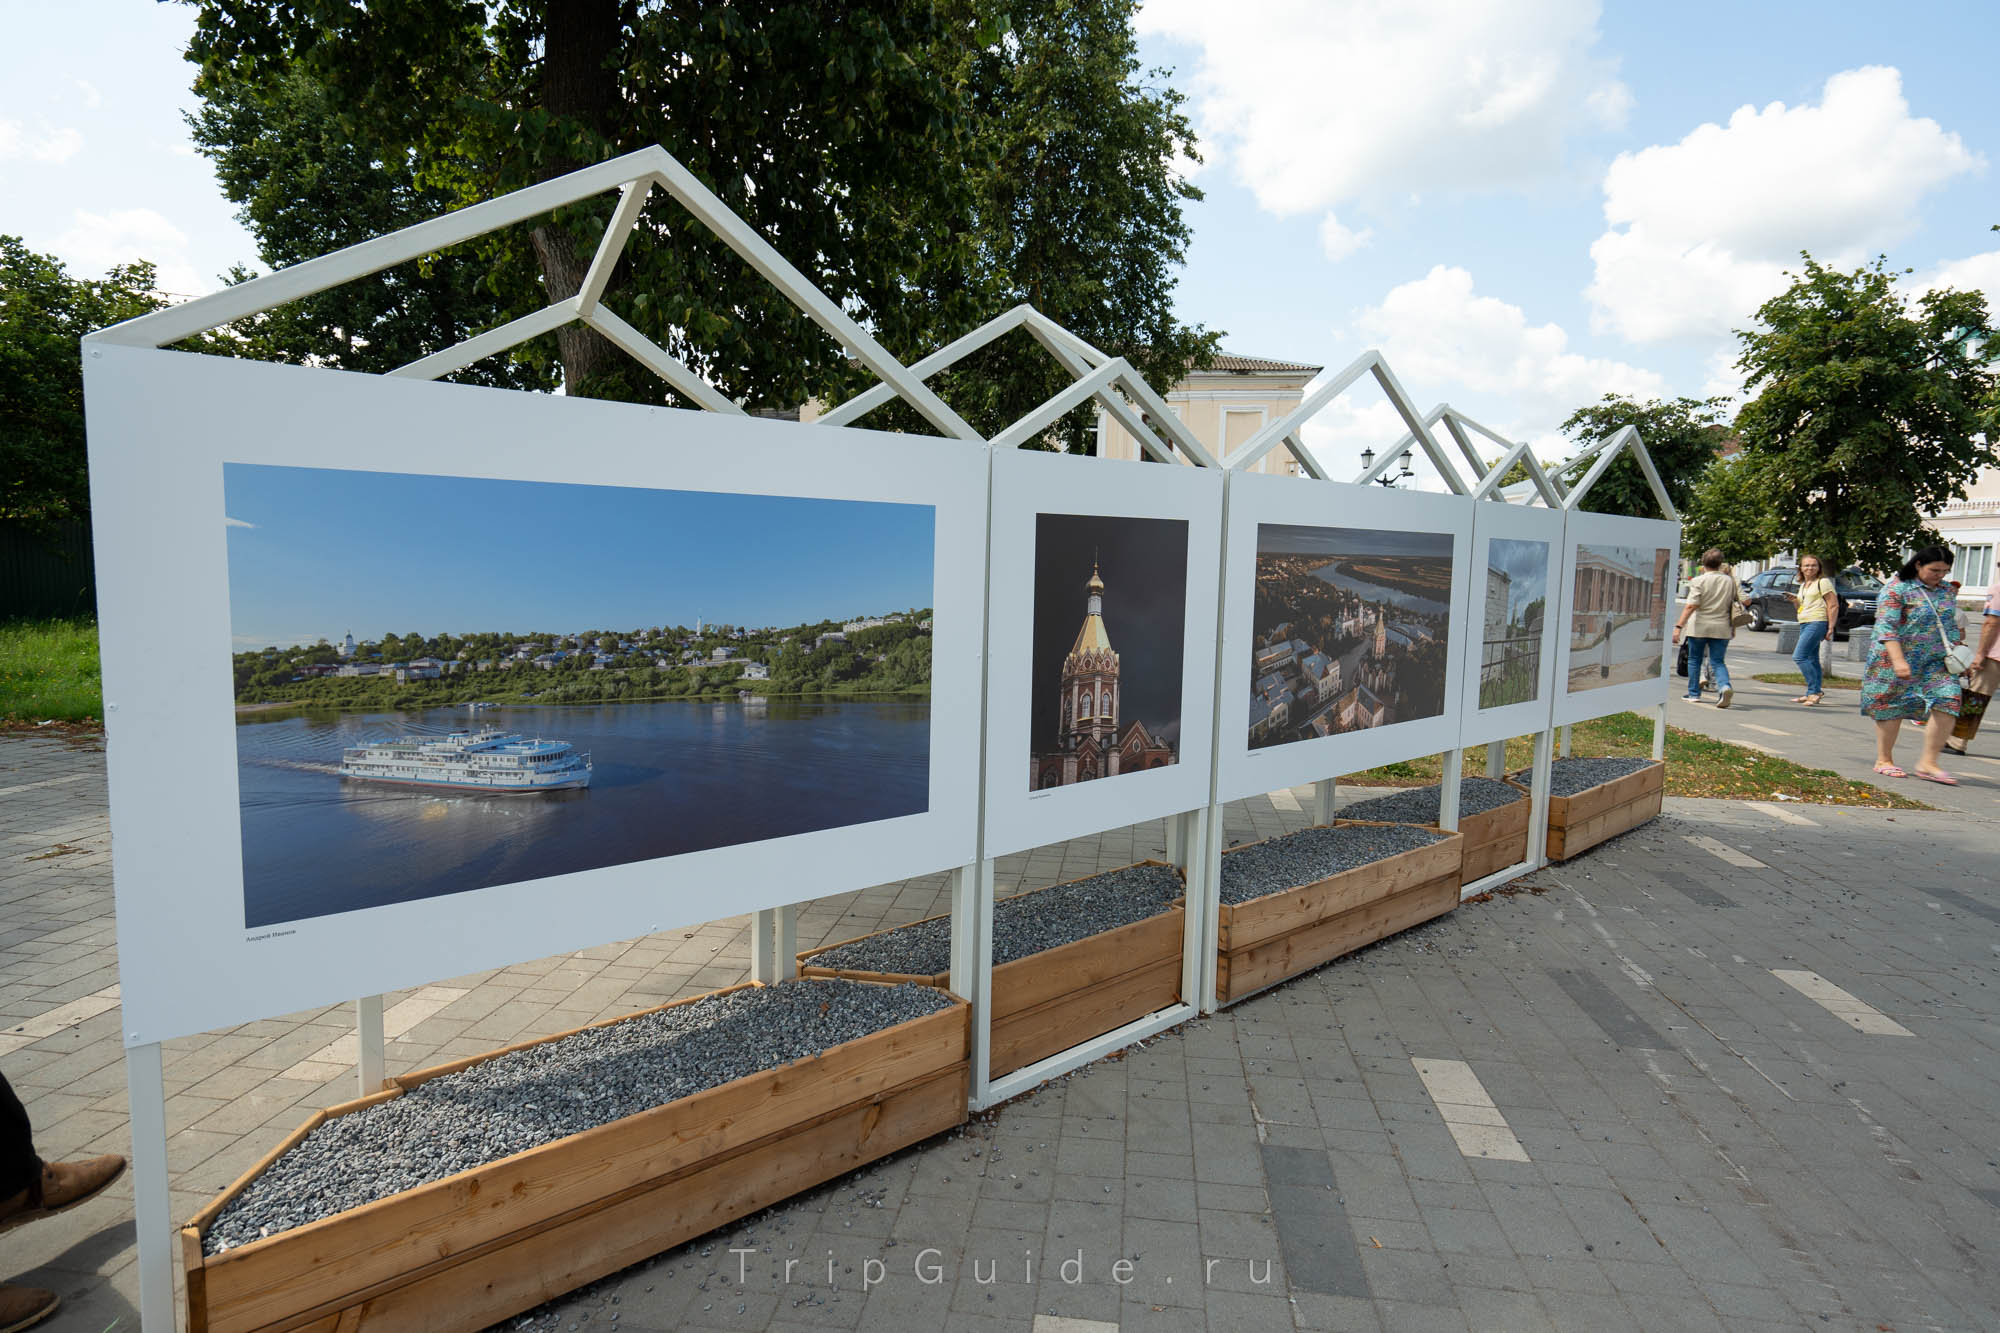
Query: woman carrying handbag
[1914,668]
[1715,605]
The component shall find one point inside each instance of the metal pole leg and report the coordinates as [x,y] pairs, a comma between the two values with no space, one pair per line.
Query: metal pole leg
[763,935]
[1496,760]
[1323,800]
[1565,742]
[1448,784]
[152,1212]
[786,944]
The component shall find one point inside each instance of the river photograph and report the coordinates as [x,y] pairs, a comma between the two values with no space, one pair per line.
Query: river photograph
[665,778]
[426,706]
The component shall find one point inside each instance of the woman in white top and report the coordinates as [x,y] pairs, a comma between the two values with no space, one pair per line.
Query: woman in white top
[1711,596]
[1819,611]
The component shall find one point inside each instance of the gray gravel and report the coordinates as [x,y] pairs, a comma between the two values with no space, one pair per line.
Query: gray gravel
[517,1101]
[1419,805]
[1027,924]
[1264,868]
[1567,777]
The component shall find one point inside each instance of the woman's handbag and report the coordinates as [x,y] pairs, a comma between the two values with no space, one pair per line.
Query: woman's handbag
[1739,615]
[1959,658]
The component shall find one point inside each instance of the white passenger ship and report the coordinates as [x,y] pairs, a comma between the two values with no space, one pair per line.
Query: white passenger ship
[487,760]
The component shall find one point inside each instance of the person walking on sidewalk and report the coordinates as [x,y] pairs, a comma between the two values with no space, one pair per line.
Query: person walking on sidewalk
[31,1189]
[1907,677]
[1712,599]
[1982,680]
[1819,612]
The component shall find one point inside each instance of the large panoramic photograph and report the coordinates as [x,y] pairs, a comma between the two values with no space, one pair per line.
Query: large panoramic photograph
[1110,640]
[1351,630]
[1517,597]
[1618,615]
[446,684]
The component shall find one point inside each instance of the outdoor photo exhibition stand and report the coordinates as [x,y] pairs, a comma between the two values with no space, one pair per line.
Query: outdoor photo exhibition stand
[173,436]
[1103,644]
[1068,752]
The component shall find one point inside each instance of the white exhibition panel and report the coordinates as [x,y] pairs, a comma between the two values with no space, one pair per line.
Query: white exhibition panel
[1030,487]
[162,427]
[1258,499]
[1517,524]
[1579,668]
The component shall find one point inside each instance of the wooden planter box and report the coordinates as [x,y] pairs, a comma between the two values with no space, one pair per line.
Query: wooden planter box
[467,1251]
[1280,935]
[1578,823]
[1053,1000]
[1495,839]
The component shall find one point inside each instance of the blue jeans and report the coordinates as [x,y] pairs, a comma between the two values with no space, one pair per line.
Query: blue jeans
[1812,633]
[1714,649]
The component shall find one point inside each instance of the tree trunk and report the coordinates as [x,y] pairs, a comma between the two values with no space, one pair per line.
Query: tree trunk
[580,39]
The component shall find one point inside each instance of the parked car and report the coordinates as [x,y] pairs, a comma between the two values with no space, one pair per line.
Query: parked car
[1772,597]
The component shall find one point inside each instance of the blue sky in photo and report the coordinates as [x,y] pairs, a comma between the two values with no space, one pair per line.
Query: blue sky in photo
[317,552]
[1523,203]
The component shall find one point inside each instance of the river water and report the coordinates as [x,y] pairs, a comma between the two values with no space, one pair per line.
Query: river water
[668,777]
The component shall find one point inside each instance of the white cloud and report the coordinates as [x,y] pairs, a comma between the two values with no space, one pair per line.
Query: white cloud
[1701,232]
[1974,273]
[1317,104]
[49,144]
[96,241]
[229,522]
[1339,241]
[1446,342]
[91,97]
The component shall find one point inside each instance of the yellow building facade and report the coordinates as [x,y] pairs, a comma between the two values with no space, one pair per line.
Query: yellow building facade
[1224,407]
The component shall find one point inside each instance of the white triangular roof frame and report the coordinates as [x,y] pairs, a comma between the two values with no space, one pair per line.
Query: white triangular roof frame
[1285,430]
[635,175]
[1624,440]
[1111,381]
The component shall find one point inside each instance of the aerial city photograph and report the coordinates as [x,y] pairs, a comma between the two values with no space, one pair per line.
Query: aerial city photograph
[1517,595]
[1351,630]
[1618,616]
[552,678]
[1110,640]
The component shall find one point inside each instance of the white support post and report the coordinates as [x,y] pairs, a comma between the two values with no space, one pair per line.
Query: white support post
[1538,802]
[785,965]
[152,1209]
[763,937]
[972,963]
[1660,733]
[371,1067]
[1496,760]
[1198,938]
[1448,784]
[1323,802]
[1565,741]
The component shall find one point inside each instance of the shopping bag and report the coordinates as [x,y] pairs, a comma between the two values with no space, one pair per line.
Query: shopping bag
[1971,712]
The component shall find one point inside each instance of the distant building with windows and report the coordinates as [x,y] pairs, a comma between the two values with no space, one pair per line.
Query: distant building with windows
[1224,406]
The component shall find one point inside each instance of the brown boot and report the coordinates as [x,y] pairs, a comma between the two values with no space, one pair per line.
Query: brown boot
[61,1185]
[24,1307]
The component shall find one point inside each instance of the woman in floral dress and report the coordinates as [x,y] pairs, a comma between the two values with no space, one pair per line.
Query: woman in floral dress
[1907,677]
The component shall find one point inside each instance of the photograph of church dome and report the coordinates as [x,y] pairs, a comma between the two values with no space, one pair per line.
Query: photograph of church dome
[1350,630]
[1110,639]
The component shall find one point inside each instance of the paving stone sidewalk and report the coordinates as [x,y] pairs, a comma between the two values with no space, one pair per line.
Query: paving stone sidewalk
[1735,1070]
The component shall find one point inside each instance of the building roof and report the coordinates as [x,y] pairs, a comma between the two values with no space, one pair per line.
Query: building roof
[1228,363]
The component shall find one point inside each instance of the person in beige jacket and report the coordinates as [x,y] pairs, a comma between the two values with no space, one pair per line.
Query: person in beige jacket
[1711,598]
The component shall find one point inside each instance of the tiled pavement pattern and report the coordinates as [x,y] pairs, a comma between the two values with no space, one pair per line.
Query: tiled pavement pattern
[1709,1146]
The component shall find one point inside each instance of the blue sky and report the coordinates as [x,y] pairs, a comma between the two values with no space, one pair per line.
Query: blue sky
[1523,203]
[315,552]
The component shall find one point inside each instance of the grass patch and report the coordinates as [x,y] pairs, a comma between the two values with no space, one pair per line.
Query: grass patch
[1697,765]
[1794,678]
[48,671]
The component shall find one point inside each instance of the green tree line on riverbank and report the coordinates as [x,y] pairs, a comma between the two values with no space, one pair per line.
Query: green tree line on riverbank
[880,659]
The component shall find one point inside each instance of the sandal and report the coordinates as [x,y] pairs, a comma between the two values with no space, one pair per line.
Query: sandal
[1812,700]
[1890,771]
[1801,698]
[1942,778]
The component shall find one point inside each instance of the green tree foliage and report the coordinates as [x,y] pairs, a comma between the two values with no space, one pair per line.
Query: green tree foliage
[1681,437]
[1730,511]
[304,189]
[44,474]
[926,165]
[1868,411]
